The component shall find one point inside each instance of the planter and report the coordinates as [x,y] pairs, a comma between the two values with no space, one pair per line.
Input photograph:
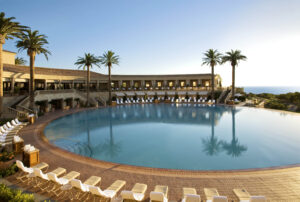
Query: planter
[18,147]
[31,119]
[66,107]
[31,158]
[113,103]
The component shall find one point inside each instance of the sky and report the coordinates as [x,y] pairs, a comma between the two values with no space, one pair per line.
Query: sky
[169,36]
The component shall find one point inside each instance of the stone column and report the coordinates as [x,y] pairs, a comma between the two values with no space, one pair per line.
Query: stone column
[153,83]
[47,108]
[120,84]
[165,83]
[142,84]
[12,85]
[131,84]
[97,85]
[200,82]
[63,103]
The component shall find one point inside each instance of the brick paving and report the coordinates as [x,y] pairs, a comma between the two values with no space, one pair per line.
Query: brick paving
[280,184]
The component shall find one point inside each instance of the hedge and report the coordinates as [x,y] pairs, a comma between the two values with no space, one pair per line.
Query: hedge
[14,195]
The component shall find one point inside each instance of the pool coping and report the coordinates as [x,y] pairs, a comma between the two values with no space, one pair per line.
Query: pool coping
[39,134]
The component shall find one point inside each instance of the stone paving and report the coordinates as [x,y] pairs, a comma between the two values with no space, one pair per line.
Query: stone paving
[280,184]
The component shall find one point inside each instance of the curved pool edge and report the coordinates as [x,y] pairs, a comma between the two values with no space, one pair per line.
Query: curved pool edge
[149,170]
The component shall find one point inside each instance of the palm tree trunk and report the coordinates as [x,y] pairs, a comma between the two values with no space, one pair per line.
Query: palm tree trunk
[212,82]
[109,84]
[1,73]
[31,84]
[88,86]
[233,82]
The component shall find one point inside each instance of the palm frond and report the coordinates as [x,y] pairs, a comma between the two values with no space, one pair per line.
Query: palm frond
[10,28]
[20,61]
[33,42]
[234,57]
[88,60]
[109,58]
[212,57]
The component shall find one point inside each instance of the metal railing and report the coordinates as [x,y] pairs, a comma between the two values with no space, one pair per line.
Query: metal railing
[17,113]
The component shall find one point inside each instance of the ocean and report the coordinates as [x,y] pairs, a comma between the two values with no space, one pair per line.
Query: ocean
[271,89]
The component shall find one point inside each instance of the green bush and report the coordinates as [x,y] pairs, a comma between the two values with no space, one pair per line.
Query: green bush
[273,104]
[13,195]
[266,95]
[6,156]
[9,171]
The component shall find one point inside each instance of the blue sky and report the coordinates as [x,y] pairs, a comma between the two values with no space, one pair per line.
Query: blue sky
[170,36]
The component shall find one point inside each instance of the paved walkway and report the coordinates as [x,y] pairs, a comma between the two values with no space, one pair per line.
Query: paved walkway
[282,184]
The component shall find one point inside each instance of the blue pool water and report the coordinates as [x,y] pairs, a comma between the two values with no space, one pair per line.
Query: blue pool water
[191,137]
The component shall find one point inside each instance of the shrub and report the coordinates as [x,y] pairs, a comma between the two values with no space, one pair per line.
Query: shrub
[9,171]
[273,104]
[266,95]
[8,194]
[6,156]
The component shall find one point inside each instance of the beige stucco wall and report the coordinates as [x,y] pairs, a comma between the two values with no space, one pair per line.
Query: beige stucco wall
[8,57]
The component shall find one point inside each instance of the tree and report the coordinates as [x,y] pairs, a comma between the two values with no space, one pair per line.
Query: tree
[87,62]
[108,59]
[20,61]
[212,58]
[8,30]
[234,57]
[34,43]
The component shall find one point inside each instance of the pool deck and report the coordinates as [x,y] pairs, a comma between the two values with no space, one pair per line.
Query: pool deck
[277,184]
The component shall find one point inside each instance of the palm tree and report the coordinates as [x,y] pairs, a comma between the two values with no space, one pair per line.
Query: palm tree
[34,43]
[8,30]
[234,148]
[87,61]
[233,57]
[20,61]
[108,59]
[212,58]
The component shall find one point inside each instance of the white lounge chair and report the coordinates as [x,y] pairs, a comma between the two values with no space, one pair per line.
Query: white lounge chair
[160,193]
[84,187]
[244,196]
[212,195]
[19,122]
[137,193]
[190,195]
[58,182]
[25,170]
[219,199]
[110,192]
[78,187]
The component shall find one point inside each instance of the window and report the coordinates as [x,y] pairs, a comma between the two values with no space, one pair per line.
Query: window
[159,84]
[136,84]
[206,83]
[171,84]
[182,83]
[194,83]
[124,84]
[147,84]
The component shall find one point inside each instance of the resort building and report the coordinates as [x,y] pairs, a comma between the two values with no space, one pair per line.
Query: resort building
[51,82]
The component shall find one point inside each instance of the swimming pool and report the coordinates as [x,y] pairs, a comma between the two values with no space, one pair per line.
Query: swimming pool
[181,136]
